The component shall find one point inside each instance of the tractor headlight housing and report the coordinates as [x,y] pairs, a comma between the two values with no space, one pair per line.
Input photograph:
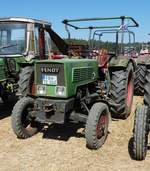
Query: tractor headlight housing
[60,91]
[41,89]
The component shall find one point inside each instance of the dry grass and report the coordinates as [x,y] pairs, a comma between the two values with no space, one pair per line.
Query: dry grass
[63,148]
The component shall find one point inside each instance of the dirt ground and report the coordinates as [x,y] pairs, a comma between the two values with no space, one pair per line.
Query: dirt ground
[63,148]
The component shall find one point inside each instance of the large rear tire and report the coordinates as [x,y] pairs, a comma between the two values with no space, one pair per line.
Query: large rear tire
[140,133]
[97,125]
[121,92]
[147,88]
[26,79]
[23,125]
[139,80]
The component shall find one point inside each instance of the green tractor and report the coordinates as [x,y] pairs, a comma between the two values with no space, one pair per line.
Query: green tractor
[72,90]
[22,41]
[64,90]
[116,64]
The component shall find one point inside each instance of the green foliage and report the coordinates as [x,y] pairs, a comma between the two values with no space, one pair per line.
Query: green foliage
[110,46]
[76,41]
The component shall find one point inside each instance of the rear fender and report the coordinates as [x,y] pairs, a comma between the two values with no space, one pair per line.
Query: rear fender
[120,63]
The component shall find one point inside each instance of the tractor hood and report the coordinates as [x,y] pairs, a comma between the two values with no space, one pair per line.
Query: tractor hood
[61,78]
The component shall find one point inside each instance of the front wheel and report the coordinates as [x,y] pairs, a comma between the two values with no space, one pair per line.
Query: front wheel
[140,133]
[97,125]
[23,125]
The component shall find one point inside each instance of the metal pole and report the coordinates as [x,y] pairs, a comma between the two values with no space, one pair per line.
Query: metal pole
[68,32]
[69,39]
[129,40]
[117,46]
[90,33]
[122,34]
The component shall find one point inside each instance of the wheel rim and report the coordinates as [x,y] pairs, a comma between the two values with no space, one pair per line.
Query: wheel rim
[129,91]
[102,125]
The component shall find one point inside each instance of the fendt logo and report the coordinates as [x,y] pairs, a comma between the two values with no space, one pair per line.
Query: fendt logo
[49,70]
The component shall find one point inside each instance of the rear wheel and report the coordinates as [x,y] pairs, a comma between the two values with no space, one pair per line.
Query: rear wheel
[97,126]
[147,88]
[26,81]
[121,92]
[23,124]
[139,80]
[140,133]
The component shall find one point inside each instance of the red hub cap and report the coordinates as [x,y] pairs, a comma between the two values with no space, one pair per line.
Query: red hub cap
[102,125]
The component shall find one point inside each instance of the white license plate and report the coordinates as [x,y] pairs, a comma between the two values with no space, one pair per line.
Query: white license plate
[49,79]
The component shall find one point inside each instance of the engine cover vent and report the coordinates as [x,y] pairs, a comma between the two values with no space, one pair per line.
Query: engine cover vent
[82,74]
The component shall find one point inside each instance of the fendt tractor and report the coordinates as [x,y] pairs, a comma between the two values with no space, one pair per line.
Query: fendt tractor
[140,73]
[22,41]
[115,59]
[72,89]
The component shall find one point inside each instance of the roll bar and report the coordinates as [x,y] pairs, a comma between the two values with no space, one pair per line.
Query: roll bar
[101,32]
[122,18]
[114,27]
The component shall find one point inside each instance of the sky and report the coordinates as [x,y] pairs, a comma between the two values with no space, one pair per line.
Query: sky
[55,11]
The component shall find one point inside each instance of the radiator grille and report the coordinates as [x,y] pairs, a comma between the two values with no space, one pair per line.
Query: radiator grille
[81,74]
